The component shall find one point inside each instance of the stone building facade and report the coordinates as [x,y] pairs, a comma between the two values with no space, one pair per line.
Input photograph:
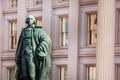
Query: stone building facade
[85,36]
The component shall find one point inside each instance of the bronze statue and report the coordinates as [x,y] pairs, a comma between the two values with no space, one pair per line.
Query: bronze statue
[33,54]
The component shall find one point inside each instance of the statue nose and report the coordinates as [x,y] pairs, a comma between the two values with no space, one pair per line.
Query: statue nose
[28,20]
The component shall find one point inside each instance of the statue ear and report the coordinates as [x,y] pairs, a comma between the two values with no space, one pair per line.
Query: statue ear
[26,22]
[34,22]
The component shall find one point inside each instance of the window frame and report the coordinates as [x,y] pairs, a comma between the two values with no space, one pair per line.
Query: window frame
[35,2]
[58,69]
[117,30]
[11,4]
[88,29]
[60,42]
[61,1]
[39,18]
[10,68]
[10,36]
[86,71]
[116,71]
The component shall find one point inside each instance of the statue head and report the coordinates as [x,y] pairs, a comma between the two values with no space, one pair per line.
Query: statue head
[30,20]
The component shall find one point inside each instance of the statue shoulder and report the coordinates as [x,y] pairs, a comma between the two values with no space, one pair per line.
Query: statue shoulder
[38,27]
[23,29]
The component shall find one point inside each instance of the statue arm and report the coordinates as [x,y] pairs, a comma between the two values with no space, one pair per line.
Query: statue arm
[19,48]
[44,46]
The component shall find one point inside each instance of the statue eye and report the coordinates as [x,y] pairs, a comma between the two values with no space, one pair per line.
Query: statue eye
[31,18]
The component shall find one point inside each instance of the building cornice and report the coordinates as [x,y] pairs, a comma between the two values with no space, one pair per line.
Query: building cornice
[88,3]
[60,56]
[9,11]
[7,58]
[34,9]
[61,6]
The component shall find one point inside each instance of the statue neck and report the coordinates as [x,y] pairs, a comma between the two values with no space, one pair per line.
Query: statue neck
[33,26]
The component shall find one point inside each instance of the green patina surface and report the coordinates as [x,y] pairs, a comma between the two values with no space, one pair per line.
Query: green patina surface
[33,54]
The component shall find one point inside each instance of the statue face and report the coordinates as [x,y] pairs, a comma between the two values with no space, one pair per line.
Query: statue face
[30,20]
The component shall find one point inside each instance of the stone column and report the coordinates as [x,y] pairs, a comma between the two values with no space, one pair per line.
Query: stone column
[105,40]
[0,40]
[21,16]
[47,16]
[73,42]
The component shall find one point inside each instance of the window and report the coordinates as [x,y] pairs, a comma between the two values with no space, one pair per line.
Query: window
[13,34]
[117,35]
[37,2]
[91,72]
[38,21]
[64,0]
[63,31]
[118,72]
[62,72]
[92,29]
[13,3]
[11,73]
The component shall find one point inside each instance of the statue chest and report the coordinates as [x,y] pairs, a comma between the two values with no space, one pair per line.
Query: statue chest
[28,35]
